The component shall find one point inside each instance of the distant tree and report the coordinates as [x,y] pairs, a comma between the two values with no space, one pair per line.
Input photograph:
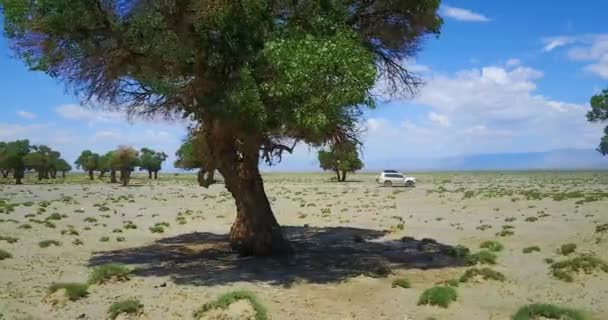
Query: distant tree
[4,169]
[599,113]
[63,166]
[89,162]
[13,158]
[190,156]
[125,159]
[340,158]
[43,160]
[106,164]
[151,161]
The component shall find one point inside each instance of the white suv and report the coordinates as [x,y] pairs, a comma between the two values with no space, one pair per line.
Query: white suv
[389,178]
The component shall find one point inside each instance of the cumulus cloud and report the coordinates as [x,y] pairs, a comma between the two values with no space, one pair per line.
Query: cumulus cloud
[26,114]
[592,49]
[80,113]
[440,119]
[463,14]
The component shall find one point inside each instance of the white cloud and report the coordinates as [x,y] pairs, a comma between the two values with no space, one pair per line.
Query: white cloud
[463,14]
[76,112]
[513,62]
[26,114]
[440,119]
[591,48]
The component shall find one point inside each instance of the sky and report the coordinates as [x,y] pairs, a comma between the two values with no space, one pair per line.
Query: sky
[502,77]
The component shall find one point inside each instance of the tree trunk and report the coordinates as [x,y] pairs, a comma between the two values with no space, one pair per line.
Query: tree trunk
[4,173]
[101,174]
[149,174]
[18,175]
[91,175]
[338,174]
[63,174]
[113,176]
[255,230]
[343,176]
[39,175]
[125,177]
[155,174]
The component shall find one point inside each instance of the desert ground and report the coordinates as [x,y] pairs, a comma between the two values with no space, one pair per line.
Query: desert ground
[352,241]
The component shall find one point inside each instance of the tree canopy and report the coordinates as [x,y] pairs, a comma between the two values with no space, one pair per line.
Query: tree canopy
[125,159]
[151,161]
[599,113]
[88,161]
[20,156]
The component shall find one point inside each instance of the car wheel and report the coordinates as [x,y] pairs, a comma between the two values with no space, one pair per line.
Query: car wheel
[409,184]
[388,184]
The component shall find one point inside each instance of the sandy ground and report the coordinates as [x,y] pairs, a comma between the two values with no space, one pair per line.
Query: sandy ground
[189,264]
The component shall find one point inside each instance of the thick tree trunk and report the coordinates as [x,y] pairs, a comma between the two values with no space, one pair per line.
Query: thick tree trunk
[4,173]
[338,175]
[125,177]
[18,175]
[113,176]
[63,174]
[155,174]
[343,176]
[91,175]
[101,174]
[40,175]
[149,174]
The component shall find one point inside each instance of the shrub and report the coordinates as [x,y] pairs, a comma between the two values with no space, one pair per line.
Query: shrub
[486,273]
[48,243]
[107,272]
[535,311]
[5,254]
[458,251]
[54,216]
[130,306]
[229,298]
[157,229]
[438,296]
[104,239]
[601,228]
[563,270]
[531,249]
[75,291]
[567,248]
[9,239]
[491,245]
[402,282]
[24,226]
[483,257]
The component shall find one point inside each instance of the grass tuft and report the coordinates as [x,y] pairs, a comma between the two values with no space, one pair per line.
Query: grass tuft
[48,243]
[567,249]
[75,291]
[107,272]
[531,249]
[486,273]
[550,311]
[129,306]
[402,283]
[5,254]
[492,245]
[565,269]
[229,298]
[438,296]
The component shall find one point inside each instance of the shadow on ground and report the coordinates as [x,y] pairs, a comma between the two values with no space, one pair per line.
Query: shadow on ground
[322,255]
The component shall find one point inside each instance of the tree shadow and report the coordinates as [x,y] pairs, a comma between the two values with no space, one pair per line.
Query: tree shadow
[322,255]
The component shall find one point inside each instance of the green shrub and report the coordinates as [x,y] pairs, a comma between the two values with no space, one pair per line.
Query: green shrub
[75,291]
[535,311]
[492,245]
[531,249]
[483,257]
[54,216]
[486,273]
[24,226]
[567,249]
[438,296]
[401,282]
[458,251]
[157,229]
[565,269]
[130,306]
[5,254]
[9,239]
[229,298]
[48,243]
[104,239]
[107,272]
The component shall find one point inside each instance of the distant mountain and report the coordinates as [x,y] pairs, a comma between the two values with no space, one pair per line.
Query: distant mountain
[554,159]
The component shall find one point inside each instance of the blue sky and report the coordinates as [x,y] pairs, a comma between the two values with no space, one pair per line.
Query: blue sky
[503,76]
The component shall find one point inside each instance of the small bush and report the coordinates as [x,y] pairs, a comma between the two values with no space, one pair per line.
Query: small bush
[107,272]
[567,249]
[531,249]
[486,273]
[120,239]
[5,254]
[438,296]
[601,228]
[157,229]
[24,226]
[402,282]
[491,245]
[535,311]
[48,243]
[104,239]
[458,251]
[563,270]
[9,239]
[75,291]
[531,219]
[54,216]
[225,300]
[483,257]
[130,306]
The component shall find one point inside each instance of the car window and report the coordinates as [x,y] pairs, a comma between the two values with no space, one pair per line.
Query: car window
[393,175]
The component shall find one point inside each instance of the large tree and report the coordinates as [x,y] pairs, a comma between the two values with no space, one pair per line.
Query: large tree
[43,160]
[89,162]
[599,113]
[190,156]
[151,161]
[13,156]
[63,166]
[4,169]
[340,158]
[125,159]
[257,75]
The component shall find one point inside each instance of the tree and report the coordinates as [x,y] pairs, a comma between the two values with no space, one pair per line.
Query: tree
[63,167]
[125,159]
[257,76]
[43,160]
[340,158]
[13,158]
[4,169]
[599,113]
[88,161]
[151,161]
[190,157]
[106,164]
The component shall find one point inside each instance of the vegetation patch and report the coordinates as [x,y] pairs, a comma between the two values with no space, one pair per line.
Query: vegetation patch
[565,270]
[492,245]
[5,254]
[567,249]
[402,283]
[128,306]
[531,249]
[483,257]
[225,300]
[440,296]
[485,273]
[48,243]
[8,239]
[74,291]
[548,311]
[108,273]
